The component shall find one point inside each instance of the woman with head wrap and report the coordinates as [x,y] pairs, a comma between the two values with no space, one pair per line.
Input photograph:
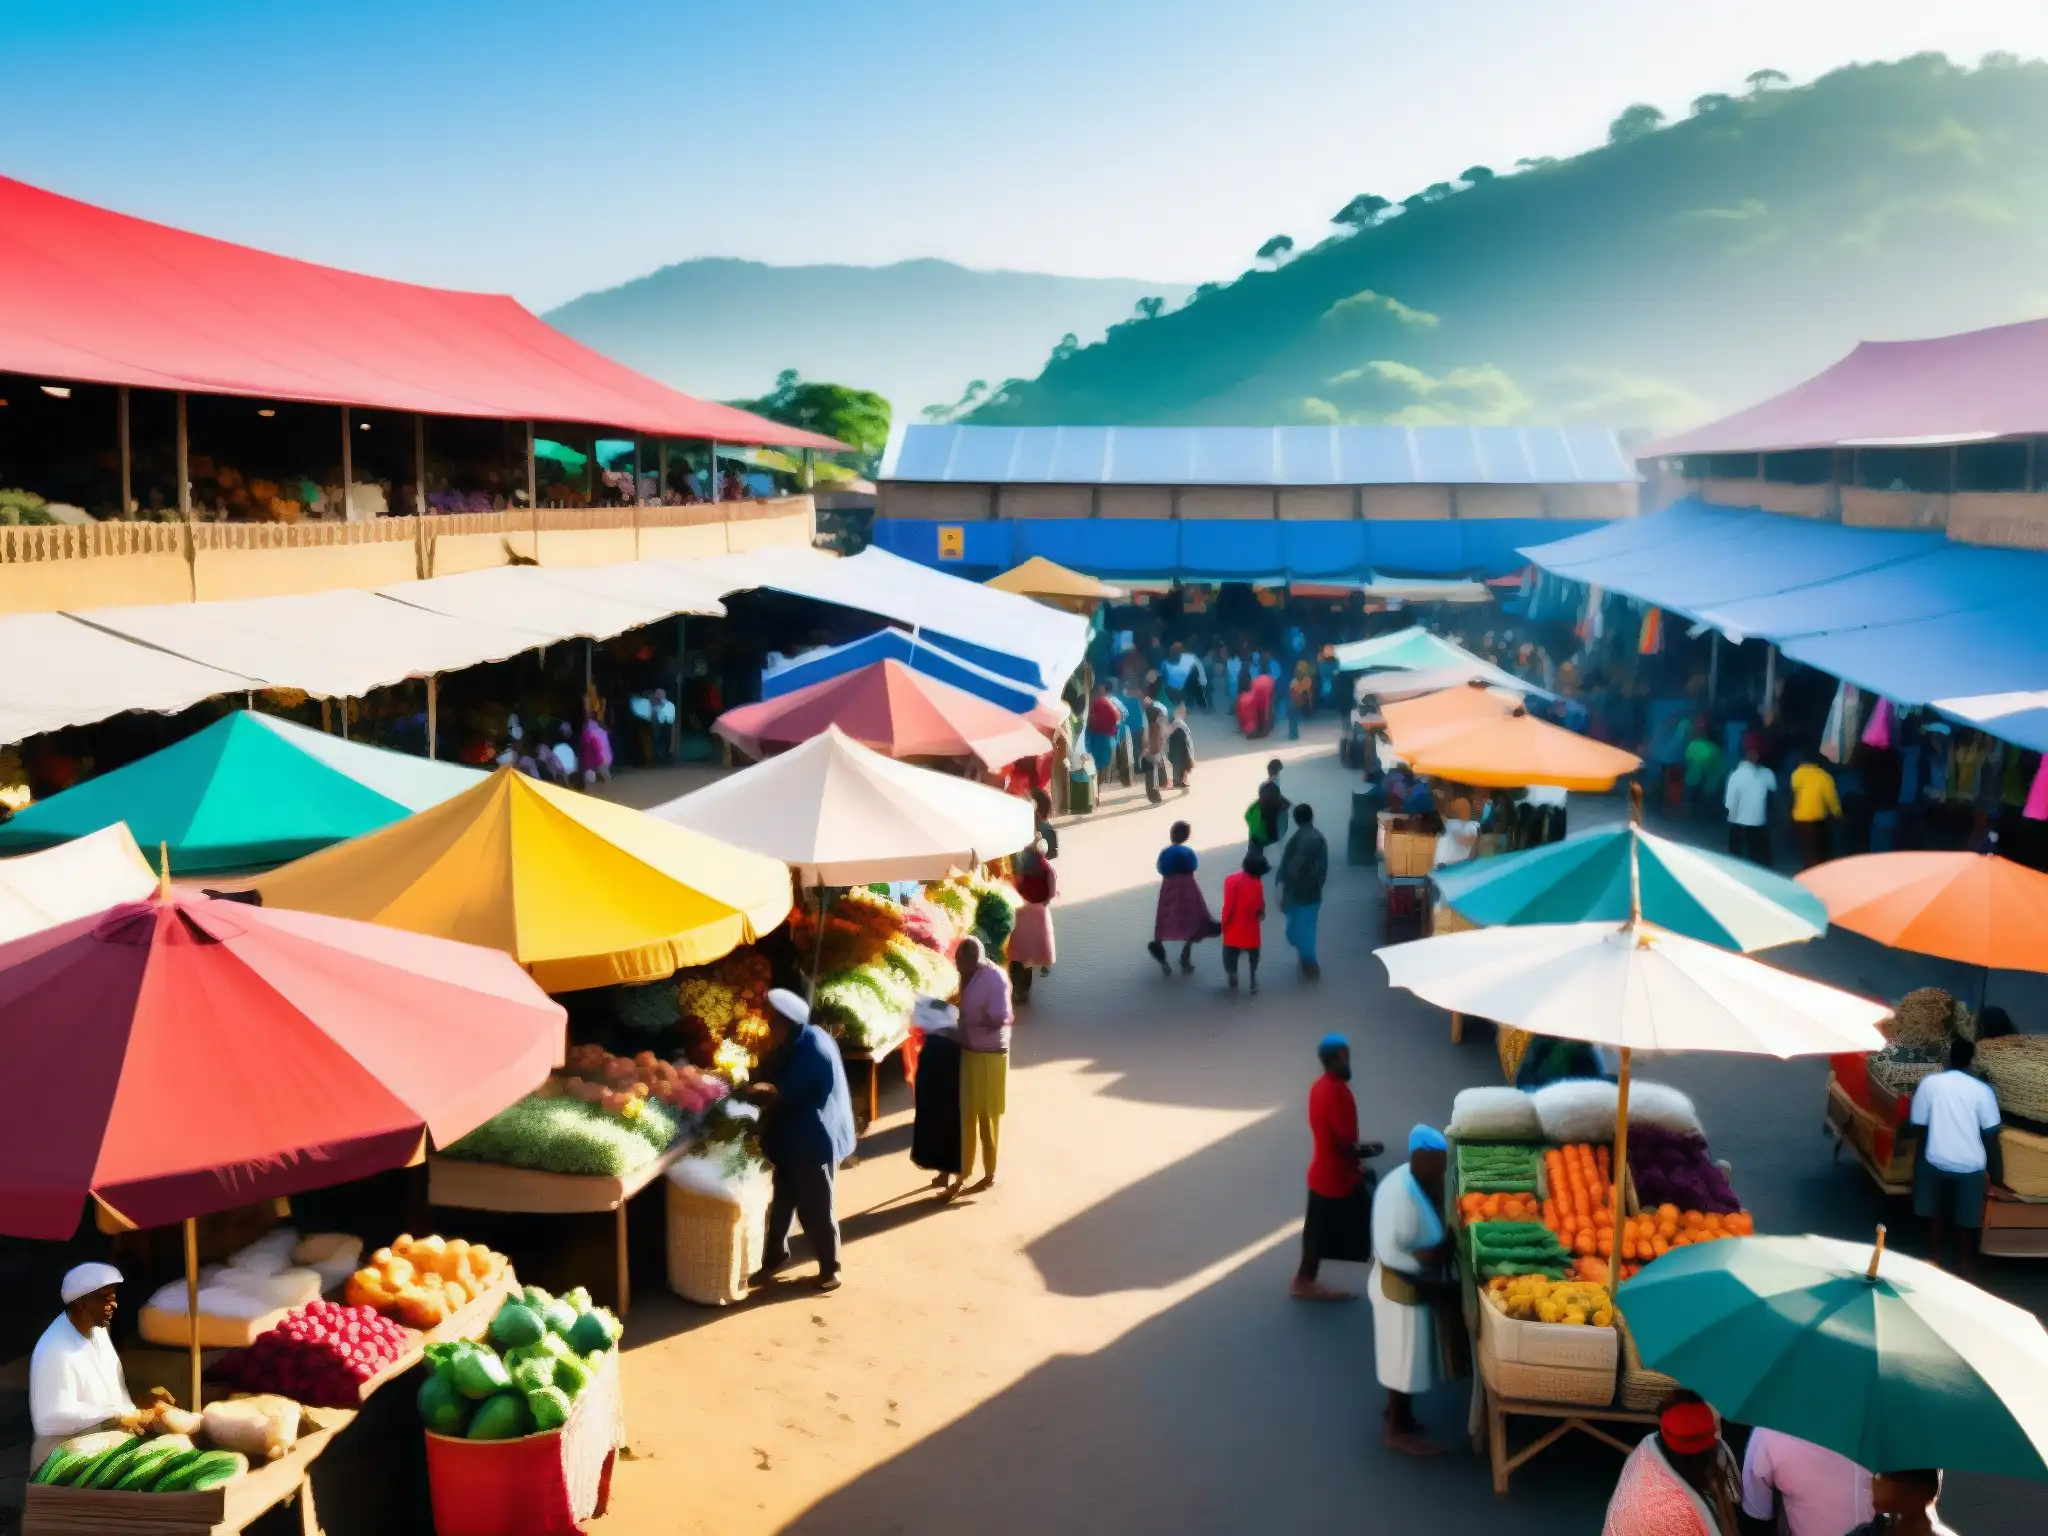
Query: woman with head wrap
[1031,941]
[1408,1251]
[1339,1221]
[1681,1481]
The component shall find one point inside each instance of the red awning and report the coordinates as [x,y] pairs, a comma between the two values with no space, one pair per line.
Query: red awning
[97,296]
[1948,389]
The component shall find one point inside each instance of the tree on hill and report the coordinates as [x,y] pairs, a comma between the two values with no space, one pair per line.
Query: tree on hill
[1437,191]
[970,397]
[1634,122]
[1712,102]
[1151,308]
[1066,347]
[1762,80]
[1473,175]
[1275,250]
[859,418]
[1362,211]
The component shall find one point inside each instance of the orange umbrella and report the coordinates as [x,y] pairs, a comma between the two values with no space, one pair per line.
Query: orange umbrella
[1413,722]
[1973,907]
[1515,750]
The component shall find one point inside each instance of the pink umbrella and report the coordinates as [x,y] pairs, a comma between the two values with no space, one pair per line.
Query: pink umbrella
[892,709]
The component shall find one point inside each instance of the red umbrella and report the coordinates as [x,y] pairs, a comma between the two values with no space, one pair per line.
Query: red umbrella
[887,706]
[184,1055]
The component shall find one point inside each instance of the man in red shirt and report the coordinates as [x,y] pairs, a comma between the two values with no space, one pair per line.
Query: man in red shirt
[1339,1222]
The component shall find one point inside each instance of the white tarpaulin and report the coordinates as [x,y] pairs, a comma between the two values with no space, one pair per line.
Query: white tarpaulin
[61,672]
[840,814]
[332,645]
[587,602]
[89,874]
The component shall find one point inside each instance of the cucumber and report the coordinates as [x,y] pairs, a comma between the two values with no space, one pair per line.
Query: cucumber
[114,1467]
[81,1474]
[148,1463]
[172,1470]
[217,1468]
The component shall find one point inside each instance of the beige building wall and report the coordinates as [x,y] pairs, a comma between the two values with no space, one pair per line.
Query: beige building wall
[93,581]
[1135,501]
[2008,519]
[1494,501]
[227,573]
[1226,502]
[933,503]
[1026,502]
[1395,503]
[1317,504]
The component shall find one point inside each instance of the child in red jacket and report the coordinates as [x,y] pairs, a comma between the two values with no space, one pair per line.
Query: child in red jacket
[1244,910]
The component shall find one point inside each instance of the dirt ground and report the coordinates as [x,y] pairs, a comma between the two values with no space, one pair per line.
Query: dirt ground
[1105,1340]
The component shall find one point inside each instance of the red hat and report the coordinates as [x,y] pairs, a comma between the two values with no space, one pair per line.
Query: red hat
[1688,1428]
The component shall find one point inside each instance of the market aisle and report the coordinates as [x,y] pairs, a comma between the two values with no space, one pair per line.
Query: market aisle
[1106,1342]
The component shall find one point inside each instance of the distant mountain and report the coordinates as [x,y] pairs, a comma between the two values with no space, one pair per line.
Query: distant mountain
[1672,274]
[916,331]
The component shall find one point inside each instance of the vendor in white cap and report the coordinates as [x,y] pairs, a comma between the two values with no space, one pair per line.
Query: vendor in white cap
[806,1133]
[75,1383]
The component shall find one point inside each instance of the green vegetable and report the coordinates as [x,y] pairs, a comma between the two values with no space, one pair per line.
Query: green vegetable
[443,1408]
[479,1373]
[1509,1267]
[535,1297]
[572,1376]
[113,1466]
[171,1468]
[82,1474]
[594,1330]
[217,1472]
[578,1298]
[516,1324]
[148,1464]
[531,1376]
[503,1417]
[549,1407]
[559,1316]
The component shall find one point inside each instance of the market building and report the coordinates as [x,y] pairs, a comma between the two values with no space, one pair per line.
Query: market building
[1268,505]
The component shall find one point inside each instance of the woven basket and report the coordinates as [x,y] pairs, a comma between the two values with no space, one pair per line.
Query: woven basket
[1928,1015]
[1449,920]
[713,1245]
[1641,1389]
[1513,1045]
[2026,1163]
[2017,1067]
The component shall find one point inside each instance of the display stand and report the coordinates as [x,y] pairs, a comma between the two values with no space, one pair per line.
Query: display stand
[1864,1134]
[467,1186]
[222,1511]
[1496,1411]
[870,1059]
[2014,1228]
[536,1484]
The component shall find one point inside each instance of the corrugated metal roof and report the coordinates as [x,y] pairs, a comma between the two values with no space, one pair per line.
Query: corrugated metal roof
[1292,456]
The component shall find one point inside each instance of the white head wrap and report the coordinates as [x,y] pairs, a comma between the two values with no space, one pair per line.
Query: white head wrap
[86,1279]
[789,1005]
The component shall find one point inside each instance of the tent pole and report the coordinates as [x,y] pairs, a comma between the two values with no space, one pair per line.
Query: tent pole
[661,470]
[348,464]
[589,707]
[818,949]
[344,719]
[419,463]
[1770,709]
[1713,666]
[192,1304]
[532,474]
[127,457]
[712,472]
[184,463]
[675,738]
[433,712]
[1620,1172]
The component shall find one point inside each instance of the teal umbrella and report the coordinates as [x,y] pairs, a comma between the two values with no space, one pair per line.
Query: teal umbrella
[1891,1362]
[1585,879]
[249,790]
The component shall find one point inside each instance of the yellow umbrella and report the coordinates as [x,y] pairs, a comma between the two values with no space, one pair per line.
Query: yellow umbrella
[581,892]
[1040,577]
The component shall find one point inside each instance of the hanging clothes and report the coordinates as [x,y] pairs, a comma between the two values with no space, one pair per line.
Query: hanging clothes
[1651,640]
[1878,733]
[1838,735]
[2036,808]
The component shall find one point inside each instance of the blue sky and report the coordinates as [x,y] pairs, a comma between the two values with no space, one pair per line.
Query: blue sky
[548,149]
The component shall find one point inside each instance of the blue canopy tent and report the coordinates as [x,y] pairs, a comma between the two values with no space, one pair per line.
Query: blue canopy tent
[915,652]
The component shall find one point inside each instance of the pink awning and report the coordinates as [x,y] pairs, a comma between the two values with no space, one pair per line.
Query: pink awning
[1949,389]
[97,296]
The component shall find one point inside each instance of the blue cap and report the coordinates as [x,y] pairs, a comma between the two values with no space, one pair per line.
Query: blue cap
[1329,1045]
[1427,1138]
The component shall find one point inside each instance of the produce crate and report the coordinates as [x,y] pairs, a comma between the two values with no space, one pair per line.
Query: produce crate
[173,1330]
[1641,1388]
[1410,853]
[1884,1156]
[1445,919]
[217,1512]
[713,1245]
[473,1319]
[2014,1228]
[535,1485]
[1546,1362]
[2026,1163]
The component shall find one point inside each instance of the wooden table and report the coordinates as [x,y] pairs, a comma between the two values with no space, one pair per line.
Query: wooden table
[220,1512]
[468,1186]
[2013,1228]
[1570,1416]
[871,1058]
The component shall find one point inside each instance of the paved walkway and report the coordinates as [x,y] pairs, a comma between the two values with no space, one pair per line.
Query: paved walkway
[1104,1342]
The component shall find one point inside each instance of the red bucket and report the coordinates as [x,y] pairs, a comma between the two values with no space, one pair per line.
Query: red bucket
[536,1485]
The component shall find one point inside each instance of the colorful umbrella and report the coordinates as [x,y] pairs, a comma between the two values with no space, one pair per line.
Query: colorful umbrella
[1585,879]
[212,1053]
[839,814]
[580,891]
[1516,751]
[1884,1359]
[99,870]
[1976,908]
[247,791]
[892,709]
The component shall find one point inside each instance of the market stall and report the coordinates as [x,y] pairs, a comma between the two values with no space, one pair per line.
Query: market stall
[893,710]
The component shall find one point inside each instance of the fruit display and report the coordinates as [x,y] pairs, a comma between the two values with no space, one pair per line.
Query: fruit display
[564,1134]
[1656,1232]
[1517,1248]
[1674,1169]
[1474,1206]
[321,1354]
[125,1463]
[422,1281]
[541,1354]
[622,1085]
[1542,1299]
[1580,1207]
[1497,1169]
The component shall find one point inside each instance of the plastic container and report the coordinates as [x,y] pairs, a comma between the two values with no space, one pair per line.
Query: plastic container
[533,1486]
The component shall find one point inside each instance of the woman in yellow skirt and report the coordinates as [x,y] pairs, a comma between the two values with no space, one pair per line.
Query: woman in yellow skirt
[984,1031]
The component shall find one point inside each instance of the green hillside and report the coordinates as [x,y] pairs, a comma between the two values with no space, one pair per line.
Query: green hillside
[916,331]
[1671,275]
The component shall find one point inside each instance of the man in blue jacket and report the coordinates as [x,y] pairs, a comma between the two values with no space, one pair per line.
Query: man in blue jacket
[806,1133]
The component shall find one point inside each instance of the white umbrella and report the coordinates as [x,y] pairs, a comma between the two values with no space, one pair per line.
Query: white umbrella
[1634,986]
[87,874]
[840,814]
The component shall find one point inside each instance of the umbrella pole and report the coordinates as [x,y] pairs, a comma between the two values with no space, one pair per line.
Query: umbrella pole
[818,949]
[192,1303]
[1620,1173]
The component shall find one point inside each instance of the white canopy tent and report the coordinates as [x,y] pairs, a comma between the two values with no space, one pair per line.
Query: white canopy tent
[88,874]
[586,602]
[839,813]
[63,672]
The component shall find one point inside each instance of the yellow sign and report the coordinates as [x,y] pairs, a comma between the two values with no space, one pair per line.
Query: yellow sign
[952,543]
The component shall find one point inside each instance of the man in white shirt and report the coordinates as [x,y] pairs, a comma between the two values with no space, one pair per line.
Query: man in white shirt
[1958,1120]
[75,1383]
[1748,802]
[1821,1492]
